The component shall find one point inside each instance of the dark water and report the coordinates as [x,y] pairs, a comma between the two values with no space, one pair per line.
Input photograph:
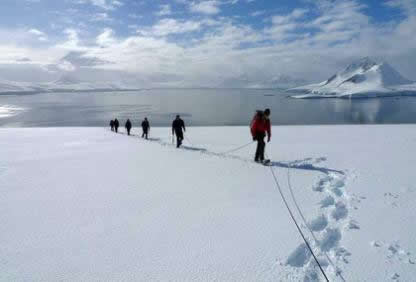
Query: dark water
[200,107]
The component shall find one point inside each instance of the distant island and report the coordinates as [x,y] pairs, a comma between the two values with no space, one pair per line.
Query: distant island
[363,79]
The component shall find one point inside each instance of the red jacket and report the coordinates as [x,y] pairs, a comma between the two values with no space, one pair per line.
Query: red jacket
[261,126]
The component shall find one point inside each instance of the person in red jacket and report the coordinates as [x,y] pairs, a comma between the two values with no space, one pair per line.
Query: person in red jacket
[260,126]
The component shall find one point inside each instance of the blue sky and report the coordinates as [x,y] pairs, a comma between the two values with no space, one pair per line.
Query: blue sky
[204,42]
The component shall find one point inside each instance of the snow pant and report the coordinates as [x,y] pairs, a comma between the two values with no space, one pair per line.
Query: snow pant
[145,133]
[128,131]
[116,128]
[179,138]
[112,128]
[260,147]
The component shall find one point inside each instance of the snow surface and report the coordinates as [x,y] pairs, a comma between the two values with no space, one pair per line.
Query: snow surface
[364,78]
[80,204]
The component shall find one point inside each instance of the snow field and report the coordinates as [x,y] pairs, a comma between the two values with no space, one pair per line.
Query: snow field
[89,204]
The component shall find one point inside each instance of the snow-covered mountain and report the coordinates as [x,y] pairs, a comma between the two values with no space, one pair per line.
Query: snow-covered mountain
[70,83]
[364,78]
[282,81]
[65,83]
[12,86]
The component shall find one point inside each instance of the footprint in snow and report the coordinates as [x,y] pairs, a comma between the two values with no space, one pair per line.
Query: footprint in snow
[340,211]
[299,257]
[395,276]
[330,239]
[395,196]
[390,199]
[376,244]
[328,201]
[319,223]
[394,251]
[322,184]
[343,254]
[353,225]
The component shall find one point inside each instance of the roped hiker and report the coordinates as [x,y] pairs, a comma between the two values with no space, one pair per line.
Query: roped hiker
[112,125]
[116,125]
[177,125]
[145,127]
[260,126]
[128,126]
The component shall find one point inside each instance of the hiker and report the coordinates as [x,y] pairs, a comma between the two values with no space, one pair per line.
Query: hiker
[128,126]
[145,127]
[260,126]
[112,125]
[116,125]
[177,126]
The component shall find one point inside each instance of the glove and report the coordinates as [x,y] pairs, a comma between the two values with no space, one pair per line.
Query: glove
[268,139]
[254,138]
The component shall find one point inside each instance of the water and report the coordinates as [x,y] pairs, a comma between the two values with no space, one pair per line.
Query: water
[198,107]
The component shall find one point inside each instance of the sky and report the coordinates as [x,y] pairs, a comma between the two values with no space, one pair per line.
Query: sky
[208,43]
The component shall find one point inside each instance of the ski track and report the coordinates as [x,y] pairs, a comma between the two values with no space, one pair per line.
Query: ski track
[328,228]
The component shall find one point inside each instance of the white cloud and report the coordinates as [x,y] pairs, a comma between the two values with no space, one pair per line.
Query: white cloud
[210,7]
[171,26]
[257,13]
[72,40]
[106,38]
[104,4]
[36,32]
[165,10]
[101,17]
[309,44]
[39,34]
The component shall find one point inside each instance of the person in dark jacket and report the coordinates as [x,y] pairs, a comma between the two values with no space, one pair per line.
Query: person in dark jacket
[260,126]
[112,125]
[116,125]
[177,125]
[145,127]
[128,126]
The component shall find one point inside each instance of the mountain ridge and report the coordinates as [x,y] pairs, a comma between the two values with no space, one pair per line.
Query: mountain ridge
[363,78]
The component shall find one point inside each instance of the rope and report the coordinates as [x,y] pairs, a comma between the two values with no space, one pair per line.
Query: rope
[297,226]
[189,141]
[236,149]
[307,225]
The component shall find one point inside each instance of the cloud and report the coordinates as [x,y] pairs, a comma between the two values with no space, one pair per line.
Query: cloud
[23,60]
[103,4]
[165,10]
[206,49]
[101,17]
[407,6]
[40,35]
[210,7]
[171,26]
[257,13]
[106,38]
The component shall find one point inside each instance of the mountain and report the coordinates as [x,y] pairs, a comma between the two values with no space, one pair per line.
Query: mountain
[70,83]
[65,83]
[364,78]
[7,86]
[281,81]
